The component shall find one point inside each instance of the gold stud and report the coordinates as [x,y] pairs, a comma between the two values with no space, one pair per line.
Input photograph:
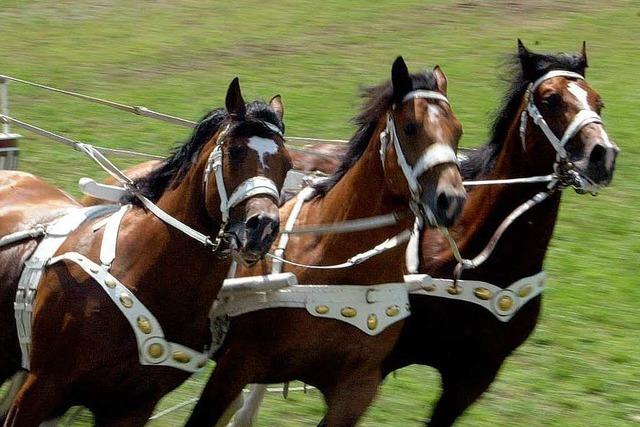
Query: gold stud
[454,290]
[482,293]
[155,350]
[392,311]
[126,301]
[144,325]
[430,288]
[372,322]
[524,291]
[322,309]
[505,302]
[349,312]
[181,357]
[110,282]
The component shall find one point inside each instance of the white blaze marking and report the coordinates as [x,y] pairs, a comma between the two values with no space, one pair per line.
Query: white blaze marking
[582,97]
[434,111]
[263,146]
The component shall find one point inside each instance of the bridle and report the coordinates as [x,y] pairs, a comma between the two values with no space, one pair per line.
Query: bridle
[564,170]
[248,188]
[434,155]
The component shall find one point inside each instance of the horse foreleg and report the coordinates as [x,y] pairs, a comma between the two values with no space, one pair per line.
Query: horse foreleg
[17,381]
[229,377]
[248,414]
[459,390]
[35,403]
[349,398]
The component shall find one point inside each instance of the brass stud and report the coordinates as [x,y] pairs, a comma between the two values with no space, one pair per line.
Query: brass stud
[322,309]
[393,311]
[524,291]
[482,293]
[505,302]
[181,357]
[155,350]
[454,290]
[372,322]
[110,282]
[349,312]
[126,301]
[144,325]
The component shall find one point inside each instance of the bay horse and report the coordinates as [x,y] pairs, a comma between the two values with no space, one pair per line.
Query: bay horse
[465,342]
[83,350]
[281,344]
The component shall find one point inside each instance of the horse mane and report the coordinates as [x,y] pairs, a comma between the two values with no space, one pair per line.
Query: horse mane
[481,161]
[377,100]
[173,170]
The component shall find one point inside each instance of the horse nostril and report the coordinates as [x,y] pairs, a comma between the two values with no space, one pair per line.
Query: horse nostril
[443,202]
[597,155]
[253,222]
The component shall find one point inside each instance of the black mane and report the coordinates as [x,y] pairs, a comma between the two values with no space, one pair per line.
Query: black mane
[172,170]
[481,161]
[378,99]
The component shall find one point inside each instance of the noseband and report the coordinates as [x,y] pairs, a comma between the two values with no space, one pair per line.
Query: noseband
[248,188]
[434,155]
[568,176]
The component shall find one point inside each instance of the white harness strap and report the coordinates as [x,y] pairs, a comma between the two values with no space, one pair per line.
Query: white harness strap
[371,309]
[110,237]
[503,303]
[55,235]
[153,348]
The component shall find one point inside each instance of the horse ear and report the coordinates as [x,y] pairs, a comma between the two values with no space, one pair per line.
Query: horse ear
[278,106]
[527,61]
[441,79]
[400,79]
[584,54]
[234,101]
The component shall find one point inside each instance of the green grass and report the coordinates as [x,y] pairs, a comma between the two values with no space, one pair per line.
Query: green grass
[582,366]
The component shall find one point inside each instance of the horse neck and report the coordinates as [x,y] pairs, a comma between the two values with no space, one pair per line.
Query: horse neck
[362,192]
[522,248]
[174,266]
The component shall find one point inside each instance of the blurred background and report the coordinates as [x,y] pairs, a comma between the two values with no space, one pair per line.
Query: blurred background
[582,365]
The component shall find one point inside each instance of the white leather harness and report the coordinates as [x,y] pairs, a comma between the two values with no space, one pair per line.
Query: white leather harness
[435,154]
[503,303]
[54,234]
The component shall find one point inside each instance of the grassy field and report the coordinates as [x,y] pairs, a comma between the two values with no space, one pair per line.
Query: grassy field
[582,366]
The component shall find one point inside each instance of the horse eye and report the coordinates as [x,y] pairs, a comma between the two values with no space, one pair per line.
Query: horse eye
[237,152]
[552,101]
[410,129]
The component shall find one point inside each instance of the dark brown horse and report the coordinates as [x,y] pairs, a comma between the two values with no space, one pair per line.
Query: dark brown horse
[466,342]
[83,349]
[282,344]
